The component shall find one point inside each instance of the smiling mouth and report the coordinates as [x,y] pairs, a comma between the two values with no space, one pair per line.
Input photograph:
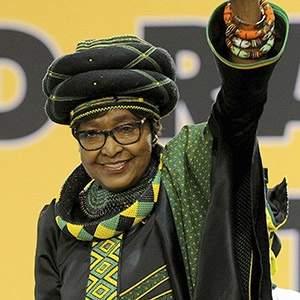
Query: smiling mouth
[116,167]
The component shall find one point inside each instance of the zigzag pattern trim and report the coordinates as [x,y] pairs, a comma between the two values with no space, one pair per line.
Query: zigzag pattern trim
[103,277]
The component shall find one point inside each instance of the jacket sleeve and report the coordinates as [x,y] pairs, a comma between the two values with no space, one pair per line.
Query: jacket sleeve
[47,281]
[241,243]
[240,102]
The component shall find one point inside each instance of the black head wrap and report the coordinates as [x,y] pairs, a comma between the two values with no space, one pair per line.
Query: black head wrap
[118,72]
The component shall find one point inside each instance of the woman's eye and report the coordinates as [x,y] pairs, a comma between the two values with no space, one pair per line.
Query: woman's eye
[127,129]
[89,134]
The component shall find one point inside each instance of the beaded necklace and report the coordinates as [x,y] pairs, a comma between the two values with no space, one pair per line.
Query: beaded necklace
[96,202]
[114,214]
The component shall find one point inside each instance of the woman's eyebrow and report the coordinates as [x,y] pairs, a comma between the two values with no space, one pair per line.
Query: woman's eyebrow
[116,120]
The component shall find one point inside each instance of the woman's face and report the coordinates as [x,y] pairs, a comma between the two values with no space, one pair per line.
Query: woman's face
[117,167]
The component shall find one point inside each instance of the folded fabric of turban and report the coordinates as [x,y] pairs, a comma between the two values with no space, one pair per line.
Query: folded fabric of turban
[121,71]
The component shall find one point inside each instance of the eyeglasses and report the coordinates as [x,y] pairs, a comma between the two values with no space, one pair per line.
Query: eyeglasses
[125,134]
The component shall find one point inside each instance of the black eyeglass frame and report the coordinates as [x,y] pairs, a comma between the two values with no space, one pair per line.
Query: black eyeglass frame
[107,133]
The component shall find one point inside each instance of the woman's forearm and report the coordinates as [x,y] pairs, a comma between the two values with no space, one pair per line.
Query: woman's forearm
[249,11]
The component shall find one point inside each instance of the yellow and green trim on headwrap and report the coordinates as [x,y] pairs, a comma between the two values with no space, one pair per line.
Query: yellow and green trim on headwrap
[94,107]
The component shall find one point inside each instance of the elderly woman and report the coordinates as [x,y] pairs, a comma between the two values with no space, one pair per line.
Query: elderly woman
[137,220]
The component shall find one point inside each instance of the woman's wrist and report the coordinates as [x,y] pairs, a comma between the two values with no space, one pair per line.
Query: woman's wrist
[249,36]
[248,11]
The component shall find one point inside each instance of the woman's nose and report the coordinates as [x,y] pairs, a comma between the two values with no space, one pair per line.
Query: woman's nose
[111,147]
